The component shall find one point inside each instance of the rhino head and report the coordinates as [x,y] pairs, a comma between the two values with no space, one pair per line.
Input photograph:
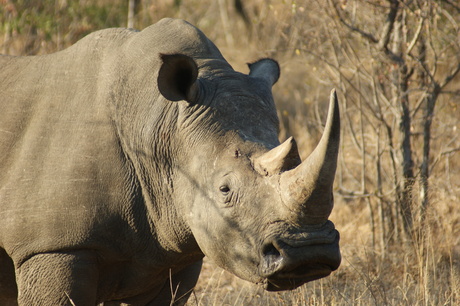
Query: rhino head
[250,203]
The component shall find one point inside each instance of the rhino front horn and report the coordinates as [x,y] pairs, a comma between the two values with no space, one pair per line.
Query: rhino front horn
[307,189]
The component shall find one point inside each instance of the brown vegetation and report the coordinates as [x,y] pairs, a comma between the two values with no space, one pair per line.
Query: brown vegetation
[396,67]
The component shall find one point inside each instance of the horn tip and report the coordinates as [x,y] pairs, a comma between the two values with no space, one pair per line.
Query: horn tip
[334,100]
[291,140]
[334,106]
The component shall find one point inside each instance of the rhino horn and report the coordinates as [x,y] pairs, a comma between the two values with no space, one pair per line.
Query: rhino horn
[307,189]
[282,158]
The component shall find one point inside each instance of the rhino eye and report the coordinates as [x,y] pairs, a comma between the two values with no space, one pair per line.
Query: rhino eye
[224,189]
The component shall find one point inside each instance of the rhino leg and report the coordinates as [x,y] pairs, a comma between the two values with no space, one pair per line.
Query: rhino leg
[8,288]
[58,279]
[177,290]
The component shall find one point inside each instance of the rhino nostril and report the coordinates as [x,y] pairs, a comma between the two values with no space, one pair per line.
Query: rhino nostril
[271,259]
[270,250]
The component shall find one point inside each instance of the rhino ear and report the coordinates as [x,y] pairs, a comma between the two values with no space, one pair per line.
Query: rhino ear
[266,69]
[177,78]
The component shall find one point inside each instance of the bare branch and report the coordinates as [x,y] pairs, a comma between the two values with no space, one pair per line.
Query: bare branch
[450,77]
[450,151]
[416,36]
[451,2]
[447,80]
[388,26]
[382,43]
[364,34]
[440,155]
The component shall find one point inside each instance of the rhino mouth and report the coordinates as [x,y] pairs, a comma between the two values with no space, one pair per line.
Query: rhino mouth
[292,280]
[287,264]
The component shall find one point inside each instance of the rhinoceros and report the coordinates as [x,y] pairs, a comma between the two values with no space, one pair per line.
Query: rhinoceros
[129,156]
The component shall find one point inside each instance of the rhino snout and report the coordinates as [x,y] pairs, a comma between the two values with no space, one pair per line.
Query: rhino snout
[286,265]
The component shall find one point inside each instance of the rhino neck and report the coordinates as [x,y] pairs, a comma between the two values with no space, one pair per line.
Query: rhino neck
[154,158]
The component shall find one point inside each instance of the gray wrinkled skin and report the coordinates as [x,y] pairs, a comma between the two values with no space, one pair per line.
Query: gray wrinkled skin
[129,156]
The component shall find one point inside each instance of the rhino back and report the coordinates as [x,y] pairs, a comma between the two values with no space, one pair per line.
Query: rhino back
[62,169]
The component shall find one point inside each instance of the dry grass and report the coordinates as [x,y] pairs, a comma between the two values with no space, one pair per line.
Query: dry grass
[390,268]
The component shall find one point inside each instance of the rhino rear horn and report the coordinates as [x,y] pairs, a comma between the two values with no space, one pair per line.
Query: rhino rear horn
[307,189]
[282,158]
[177,78]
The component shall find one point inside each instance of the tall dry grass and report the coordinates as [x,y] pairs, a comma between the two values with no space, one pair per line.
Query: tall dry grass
[382,264]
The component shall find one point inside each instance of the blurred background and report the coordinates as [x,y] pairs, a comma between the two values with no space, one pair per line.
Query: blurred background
[396,66]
